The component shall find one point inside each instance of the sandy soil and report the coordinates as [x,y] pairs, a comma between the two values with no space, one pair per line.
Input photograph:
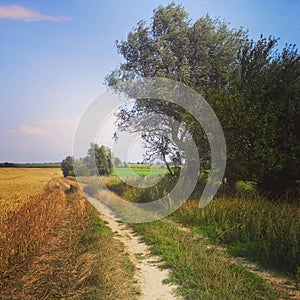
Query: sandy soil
[149,276]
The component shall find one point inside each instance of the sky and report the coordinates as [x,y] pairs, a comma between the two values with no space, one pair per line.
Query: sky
[54,56]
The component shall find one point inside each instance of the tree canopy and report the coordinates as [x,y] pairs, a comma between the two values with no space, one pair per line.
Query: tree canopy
[252,87]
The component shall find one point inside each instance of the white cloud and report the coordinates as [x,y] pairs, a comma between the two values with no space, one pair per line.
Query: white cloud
[32,130]
[47,129]
[47,140]
[27,130]
[16,12]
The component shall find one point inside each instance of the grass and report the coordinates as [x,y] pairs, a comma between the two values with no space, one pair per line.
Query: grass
[138,170]
[202,271]
[263,231]
[129,190]
[248,225]
[79,259]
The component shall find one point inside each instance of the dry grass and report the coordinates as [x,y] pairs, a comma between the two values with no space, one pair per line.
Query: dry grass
[17,185]
[79,260]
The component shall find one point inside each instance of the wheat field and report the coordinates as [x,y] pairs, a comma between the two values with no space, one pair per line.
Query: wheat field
[32,201]
[17,185]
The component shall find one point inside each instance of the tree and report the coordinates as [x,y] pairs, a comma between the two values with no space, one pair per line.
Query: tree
[98,160]
[67,166]
[269,86]
[253,90]
[201,55]
[117,161]
[80,168]
[103,160]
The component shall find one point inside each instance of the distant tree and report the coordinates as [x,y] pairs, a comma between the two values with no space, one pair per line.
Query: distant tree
[117,161]
[101,161]
[109,159]
[8,165]
[67,166]
[90,159]
[80,168]
[98,160]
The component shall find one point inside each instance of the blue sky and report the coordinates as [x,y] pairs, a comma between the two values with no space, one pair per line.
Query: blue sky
[54,56]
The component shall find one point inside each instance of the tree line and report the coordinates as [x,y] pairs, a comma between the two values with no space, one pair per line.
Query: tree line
[97,162]
[252,86]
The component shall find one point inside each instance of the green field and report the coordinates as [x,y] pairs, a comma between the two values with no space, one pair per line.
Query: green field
[138,170]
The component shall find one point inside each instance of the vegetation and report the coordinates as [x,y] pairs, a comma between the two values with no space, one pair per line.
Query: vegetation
[97,162]
[15,183]
[23,230]
[55,246]
[29,165]
[266,232]
[67,166]
[202,271]
[138,170]
[252,87]
[249,226]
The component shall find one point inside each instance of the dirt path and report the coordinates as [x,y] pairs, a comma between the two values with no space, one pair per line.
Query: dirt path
[149,276]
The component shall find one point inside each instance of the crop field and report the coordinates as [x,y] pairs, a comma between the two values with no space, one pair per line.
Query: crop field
[18,184]
[31,203]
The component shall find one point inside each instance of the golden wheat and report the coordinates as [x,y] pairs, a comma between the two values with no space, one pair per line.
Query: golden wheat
[17,185]
[32,202]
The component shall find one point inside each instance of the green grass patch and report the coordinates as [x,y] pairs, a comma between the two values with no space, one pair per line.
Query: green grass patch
[201,270]
[138,170]
[247,224]
[266,232]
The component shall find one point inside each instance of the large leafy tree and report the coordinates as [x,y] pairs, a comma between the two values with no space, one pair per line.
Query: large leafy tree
[253,89]
[202,55]
[270,91]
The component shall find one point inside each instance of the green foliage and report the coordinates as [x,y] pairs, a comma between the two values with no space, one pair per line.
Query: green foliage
[117,161]
[265,147]
[98,160]
[80,169]
[253,89]
[30,165]
[249,225]
[246,188]
[142,195]
[67,166]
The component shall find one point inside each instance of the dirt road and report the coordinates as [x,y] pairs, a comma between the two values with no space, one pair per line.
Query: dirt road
[149,276]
